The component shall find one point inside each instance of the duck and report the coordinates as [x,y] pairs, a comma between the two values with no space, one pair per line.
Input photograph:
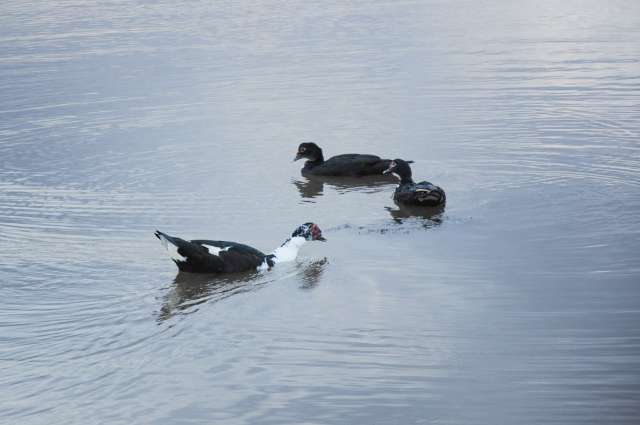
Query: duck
[351,164]
[209,256]
[424,194]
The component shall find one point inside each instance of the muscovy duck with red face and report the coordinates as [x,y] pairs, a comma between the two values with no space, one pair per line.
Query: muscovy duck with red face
[208,256]
[423,194]
[351,164]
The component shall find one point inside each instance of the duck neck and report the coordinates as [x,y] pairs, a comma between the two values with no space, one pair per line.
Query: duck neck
[288,251]
[319,159]
[404,178]
[315,162]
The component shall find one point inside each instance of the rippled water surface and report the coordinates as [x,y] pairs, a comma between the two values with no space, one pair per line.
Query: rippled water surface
[517,304]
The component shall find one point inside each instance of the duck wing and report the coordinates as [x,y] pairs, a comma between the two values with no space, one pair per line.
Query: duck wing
[354,164]
[208,256]
[429,194]
[422,194]
[222,247]
[235,256]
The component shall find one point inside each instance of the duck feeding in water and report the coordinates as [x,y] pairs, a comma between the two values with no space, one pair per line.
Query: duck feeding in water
[351,164]
[208,256]
[423,194]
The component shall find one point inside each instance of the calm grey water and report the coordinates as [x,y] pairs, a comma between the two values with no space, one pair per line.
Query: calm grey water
[519,304]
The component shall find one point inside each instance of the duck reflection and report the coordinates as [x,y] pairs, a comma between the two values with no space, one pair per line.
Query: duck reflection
[189,290]
[430,216]
[313,186]
[309,188]
[311,273]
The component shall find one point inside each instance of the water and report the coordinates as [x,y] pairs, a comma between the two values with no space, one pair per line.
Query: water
[520,303]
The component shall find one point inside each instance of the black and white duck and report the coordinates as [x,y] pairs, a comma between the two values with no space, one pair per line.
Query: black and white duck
[207,256]
[423,194]
[351,164]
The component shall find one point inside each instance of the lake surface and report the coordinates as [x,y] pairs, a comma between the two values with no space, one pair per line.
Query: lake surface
[518,304]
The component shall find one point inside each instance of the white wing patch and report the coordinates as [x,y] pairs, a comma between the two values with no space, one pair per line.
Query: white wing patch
[172,249]
[214,250]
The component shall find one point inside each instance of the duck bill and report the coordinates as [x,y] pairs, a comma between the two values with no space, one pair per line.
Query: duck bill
[298,156]
[321,239]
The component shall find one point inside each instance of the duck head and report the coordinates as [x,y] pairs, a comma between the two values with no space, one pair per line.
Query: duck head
[399,168]
[288,251]
[309,231]
[310,151]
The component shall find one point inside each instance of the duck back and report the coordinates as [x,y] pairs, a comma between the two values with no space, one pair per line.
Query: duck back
[209,256]
[348,165]
[235,257]
[423,194]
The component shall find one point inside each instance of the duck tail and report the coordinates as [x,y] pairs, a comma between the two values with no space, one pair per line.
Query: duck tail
[189,256]
[164,238]
[178,249]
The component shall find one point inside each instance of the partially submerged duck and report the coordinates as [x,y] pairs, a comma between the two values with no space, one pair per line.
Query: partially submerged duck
[208,256]
[423,194]
[351,164]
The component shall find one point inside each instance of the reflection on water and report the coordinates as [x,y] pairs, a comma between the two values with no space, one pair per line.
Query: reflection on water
[312,273]
[430,216]
[313,186]
[190,290]
[309,188]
